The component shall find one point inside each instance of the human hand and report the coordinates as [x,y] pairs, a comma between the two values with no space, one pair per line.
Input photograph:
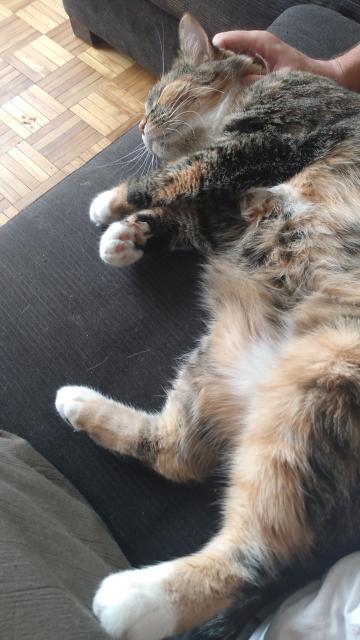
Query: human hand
[274,51]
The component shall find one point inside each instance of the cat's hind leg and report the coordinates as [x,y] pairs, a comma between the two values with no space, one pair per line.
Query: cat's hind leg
[172,441]
[295,461]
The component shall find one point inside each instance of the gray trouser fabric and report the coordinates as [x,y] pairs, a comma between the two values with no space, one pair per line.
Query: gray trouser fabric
[54,550]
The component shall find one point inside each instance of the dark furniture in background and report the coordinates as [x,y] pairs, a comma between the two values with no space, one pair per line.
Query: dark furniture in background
[66,318]
[137,27]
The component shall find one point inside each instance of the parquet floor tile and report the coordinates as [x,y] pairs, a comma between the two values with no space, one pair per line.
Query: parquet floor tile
[61,101]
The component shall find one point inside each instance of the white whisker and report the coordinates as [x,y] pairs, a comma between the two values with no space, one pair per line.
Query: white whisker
[173,129]
[131,160]
[122,160]
[182,122]
[147,165]
[137,161]
[161,45]
[196,113]
[141,169]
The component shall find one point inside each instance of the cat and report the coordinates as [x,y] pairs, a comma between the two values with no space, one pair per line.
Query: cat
[263,180]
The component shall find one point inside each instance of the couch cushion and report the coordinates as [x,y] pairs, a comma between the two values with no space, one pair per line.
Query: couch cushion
[145,28]
[335,33]
[66,318]
[136,27]
[246,14]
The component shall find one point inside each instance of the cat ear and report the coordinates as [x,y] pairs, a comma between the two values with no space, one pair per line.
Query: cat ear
[194,43]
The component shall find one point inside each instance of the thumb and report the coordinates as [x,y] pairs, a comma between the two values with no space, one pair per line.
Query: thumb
[239,41]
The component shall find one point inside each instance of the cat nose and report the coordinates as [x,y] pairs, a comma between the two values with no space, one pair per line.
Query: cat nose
[142,124]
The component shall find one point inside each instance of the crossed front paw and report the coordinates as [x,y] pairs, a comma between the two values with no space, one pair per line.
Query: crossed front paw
[123,242]
[110,205]
[100,209]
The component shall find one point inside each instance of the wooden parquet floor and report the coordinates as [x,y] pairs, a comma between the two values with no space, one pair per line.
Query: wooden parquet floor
[61,101]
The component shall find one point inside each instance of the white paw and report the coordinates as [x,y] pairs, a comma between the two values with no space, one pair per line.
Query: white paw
[133,605]
[118,245]
[70,401]
[100,208]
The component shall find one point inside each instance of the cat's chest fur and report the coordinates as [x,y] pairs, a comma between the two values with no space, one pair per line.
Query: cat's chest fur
[247,333]
[291,272]
[255,288]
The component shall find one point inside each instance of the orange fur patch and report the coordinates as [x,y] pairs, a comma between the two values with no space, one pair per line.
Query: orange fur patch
[185,181]
[119,205]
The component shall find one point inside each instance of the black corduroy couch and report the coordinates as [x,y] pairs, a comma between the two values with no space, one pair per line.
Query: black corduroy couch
[66,318]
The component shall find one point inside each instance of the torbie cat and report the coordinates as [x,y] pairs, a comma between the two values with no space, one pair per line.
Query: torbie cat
[265,181]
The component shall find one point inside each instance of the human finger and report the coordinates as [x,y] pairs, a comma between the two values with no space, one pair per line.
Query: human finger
[241,41]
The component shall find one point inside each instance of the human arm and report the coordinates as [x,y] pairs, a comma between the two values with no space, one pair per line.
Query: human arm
[347,69]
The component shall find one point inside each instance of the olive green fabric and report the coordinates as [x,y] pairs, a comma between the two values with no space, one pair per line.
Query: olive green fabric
[54,550]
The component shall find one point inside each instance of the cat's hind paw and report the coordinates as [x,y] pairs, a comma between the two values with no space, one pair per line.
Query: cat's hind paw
[133,605]
[123,243]
[71,401]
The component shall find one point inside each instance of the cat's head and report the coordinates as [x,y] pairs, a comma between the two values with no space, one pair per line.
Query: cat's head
[186,107]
